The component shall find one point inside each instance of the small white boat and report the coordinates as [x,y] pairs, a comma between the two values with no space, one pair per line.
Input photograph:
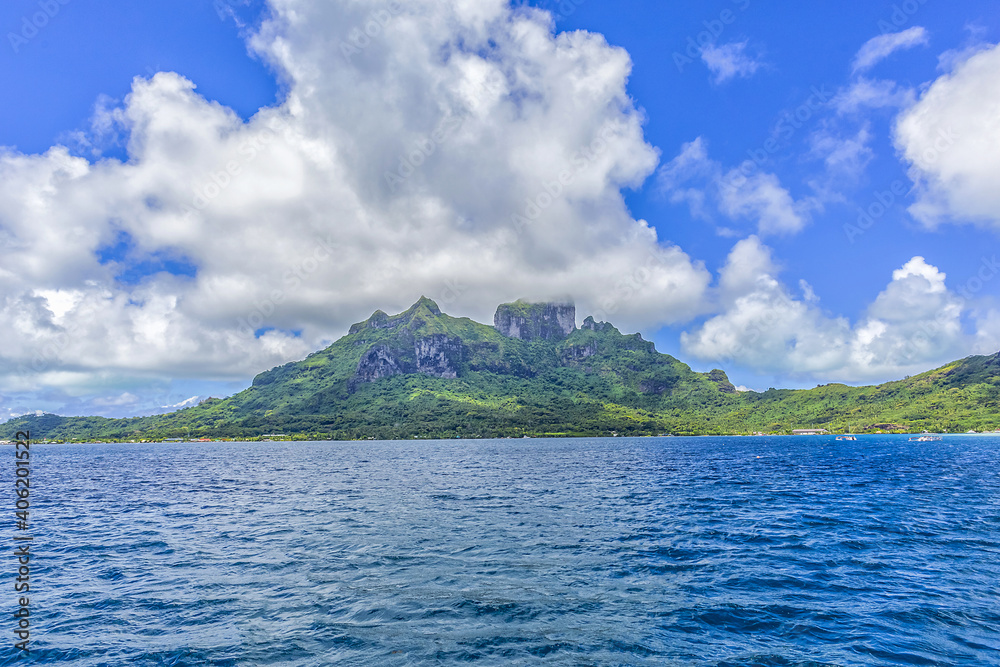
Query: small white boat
[926,438]
[846,437]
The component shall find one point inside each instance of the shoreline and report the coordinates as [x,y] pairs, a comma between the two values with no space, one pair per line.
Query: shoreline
[201,441]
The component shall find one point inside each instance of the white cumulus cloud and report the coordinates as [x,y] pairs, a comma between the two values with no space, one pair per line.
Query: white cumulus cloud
[951,140]
[914,324]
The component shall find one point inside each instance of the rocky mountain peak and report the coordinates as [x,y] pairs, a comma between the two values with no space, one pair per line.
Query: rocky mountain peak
[599,327]
[720,378]
[380,320]
[531,321]
[424,302]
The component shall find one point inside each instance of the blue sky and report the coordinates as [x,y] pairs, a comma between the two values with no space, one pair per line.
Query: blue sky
[155,236]
[800,46]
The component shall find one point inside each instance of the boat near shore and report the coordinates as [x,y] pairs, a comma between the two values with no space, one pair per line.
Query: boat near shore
[926,438]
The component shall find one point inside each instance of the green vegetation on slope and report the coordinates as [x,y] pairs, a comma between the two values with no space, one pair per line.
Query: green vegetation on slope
[425,374]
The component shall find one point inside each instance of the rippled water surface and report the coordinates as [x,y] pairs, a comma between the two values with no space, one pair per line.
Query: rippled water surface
[673,551]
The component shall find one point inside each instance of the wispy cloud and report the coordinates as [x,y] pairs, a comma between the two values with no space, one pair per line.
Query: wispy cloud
[762,198]
[701,182]
[183,404]
[879,48]
[864,94]
[729,61]
[976,42]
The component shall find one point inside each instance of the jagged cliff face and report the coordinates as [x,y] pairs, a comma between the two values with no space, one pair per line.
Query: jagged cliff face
[424,341]
[436,355]
[535,321]
[418,346]
[413,350]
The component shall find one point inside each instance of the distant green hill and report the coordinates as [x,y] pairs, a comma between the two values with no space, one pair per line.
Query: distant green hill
[422,373]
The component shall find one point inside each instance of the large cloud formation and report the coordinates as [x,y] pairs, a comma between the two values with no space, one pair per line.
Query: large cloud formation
[764,326]
[459,149]
[951,140]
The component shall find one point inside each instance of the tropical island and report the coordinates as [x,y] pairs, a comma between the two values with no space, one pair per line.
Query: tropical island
[424,374]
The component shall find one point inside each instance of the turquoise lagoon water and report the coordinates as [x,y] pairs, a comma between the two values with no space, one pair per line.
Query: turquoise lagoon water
[651,551]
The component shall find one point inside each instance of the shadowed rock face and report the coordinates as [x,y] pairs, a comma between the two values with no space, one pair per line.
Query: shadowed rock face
[720,378]
[535,321]
[436,355]
[412,349]
[573,353]
[379,362]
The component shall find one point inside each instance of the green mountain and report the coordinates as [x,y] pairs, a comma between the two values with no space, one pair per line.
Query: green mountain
[422,373]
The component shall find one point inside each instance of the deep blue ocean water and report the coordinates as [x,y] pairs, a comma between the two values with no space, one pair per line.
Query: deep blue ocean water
[651,551]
